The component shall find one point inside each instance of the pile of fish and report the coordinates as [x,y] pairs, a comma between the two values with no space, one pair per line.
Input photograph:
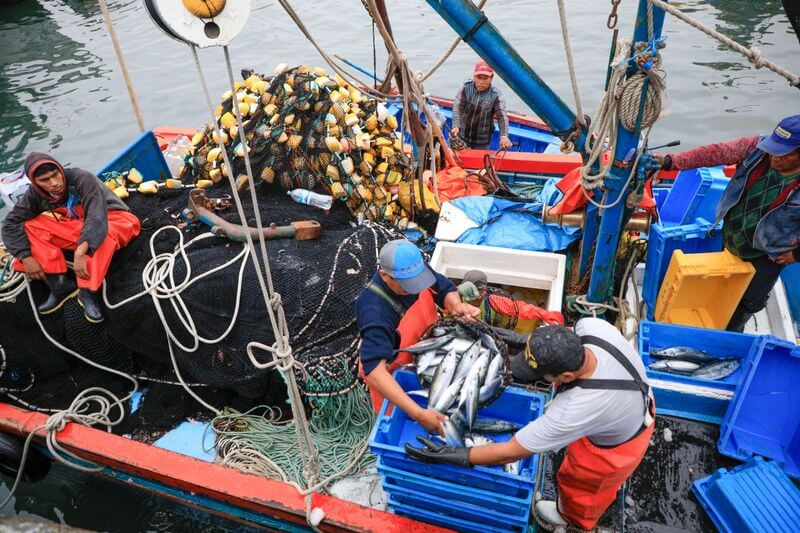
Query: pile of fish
[694,363]
[462,369]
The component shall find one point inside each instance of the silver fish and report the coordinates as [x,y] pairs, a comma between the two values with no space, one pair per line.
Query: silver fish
[443,376]
[478,371]
[459,344]
[718,370]
[675,366]
[512,468]
[682,353]
[439,332]
[493,426]
[489,389]
[477,440]
[429,359]
[452,434]
[450,395]
[427,344]
[467,360]
[489,343]
[473,387]
[495,367]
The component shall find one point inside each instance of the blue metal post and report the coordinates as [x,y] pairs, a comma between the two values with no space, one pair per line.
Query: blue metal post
[611,222]
[484,38]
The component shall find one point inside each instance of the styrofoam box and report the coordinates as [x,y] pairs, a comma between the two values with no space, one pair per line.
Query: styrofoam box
[504,266]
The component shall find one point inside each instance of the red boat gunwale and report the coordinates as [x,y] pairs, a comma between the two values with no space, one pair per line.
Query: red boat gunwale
[224,484]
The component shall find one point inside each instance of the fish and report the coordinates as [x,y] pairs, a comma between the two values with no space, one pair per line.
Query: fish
[684,354]
[452,433]
[443,376]
[473,388]
[489,343]
[493,426]
[474,373]
[477,440]
[459,344]
[489,389]
[674,366]
[450,395]
[467,360]
[512,468]
[428,359]
[496,366]
[439,332]
[427,344]
[719,370]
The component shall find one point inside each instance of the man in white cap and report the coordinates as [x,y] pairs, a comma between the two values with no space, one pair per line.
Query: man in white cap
[392,312]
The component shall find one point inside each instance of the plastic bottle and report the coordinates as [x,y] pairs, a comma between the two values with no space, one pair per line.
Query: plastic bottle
[304,196]
[175,152]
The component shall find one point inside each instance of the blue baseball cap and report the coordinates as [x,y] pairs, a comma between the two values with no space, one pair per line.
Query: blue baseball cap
[785,138]
[403,262]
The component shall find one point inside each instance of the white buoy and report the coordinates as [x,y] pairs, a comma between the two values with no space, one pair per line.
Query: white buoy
[183,24]
[667,435]
[316,516]
[281,68]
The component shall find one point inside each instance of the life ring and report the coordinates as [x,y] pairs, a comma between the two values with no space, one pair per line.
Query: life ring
[37,465]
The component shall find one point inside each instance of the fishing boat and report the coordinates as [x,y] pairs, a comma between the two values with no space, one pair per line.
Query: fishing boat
[181,466]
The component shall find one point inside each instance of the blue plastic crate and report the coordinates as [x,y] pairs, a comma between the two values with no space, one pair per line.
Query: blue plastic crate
[757,496]
[660,196]
[392,432]
[790,275]
[145,156]
[707,407]
[437,519]
[695,194]
[517,509]
[662,242]
[480,516]
[764,416]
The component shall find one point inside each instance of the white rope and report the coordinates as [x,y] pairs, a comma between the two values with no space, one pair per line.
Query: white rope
[562,14]
[12,283]
[753,54]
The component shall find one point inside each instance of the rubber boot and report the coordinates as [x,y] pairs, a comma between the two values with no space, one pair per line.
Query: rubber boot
[91,306]
[62,288]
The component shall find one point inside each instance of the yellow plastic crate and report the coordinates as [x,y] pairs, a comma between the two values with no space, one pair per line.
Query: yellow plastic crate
[702,290]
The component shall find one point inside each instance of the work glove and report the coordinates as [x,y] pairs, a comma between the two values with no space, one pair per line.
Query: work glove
[515,341]
[439,453]
[468,292]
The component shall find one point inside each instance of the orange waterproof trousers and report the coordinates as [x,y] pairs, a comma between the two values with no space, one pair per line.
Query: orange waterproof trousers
[417,319]
[590,476]
[49,236]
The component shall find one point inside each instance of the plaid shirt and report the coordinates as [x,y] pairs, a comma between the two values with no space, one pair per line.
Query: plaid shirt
[742,219]
[474,113]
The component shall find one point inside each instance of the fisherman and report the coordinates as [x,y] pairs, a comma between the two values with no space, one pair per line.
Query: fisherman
[603,413]
[67,209]
[760,206]
[393,311]
[477,105]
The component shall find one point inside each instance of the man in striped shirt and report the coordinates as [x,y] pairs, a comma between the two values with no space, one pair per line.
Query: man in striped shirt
[477,105]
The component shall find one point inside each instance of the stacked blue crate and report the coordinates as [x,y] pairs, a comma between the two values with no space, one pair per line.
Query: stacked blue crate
[482,498]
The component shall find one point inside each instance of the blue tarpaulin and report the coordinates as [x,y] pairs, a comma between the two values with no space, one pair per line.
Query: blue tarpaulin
[518,225]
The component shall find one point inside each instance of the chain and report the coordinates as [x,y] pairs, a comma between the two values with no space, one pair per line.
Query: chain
[612,17]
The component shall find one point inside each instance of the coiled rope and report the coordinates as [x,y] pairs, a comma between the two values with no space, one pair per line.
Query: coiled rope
[753,53]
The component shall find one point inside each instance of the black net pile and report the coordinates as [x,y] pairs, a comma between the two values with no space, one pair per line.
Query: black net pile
[307,130]
[319,281]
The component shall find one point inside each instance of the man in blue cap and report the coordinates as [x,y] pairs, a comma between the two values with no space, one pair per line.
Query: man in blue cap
[392,311]
[760,207]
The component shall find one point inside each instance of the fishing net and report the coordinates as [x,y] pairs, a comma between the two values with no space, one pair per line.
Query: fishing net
[498,307]
[307,130]
[318,279]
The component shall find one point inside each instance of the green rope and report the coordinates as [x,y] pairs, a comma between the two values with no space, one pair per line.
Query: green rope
[260,441]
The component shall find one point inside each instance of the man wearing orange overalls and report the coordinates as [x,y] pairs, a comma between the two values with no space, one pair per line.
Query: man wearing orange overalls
[67,209]
[393,311]
[603,413]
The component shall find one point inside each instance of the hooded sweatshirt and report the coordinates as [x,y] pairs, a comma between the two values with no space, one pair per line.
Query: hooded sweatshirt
[81,188]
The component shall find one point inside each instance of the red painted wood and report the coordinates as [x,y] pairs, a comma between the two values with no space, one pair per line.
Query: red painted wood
[525,162]
[164,134]
[255,493]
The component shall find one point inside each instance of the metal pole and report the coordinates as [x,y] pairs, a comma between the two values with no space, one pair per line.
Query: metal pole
[475,29]
[611,228]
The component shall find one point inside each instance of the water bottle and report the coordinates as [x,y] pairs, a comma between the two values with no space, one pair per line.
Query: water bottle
[175,152]
[304,196]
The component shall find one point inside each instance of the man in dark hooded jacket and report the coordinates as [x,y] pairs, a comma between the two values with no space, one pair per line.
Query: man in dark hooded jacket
[67,209]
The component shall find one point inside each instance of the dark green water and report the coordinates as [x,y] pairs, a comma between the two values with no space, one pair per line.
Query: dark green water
[61,91]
